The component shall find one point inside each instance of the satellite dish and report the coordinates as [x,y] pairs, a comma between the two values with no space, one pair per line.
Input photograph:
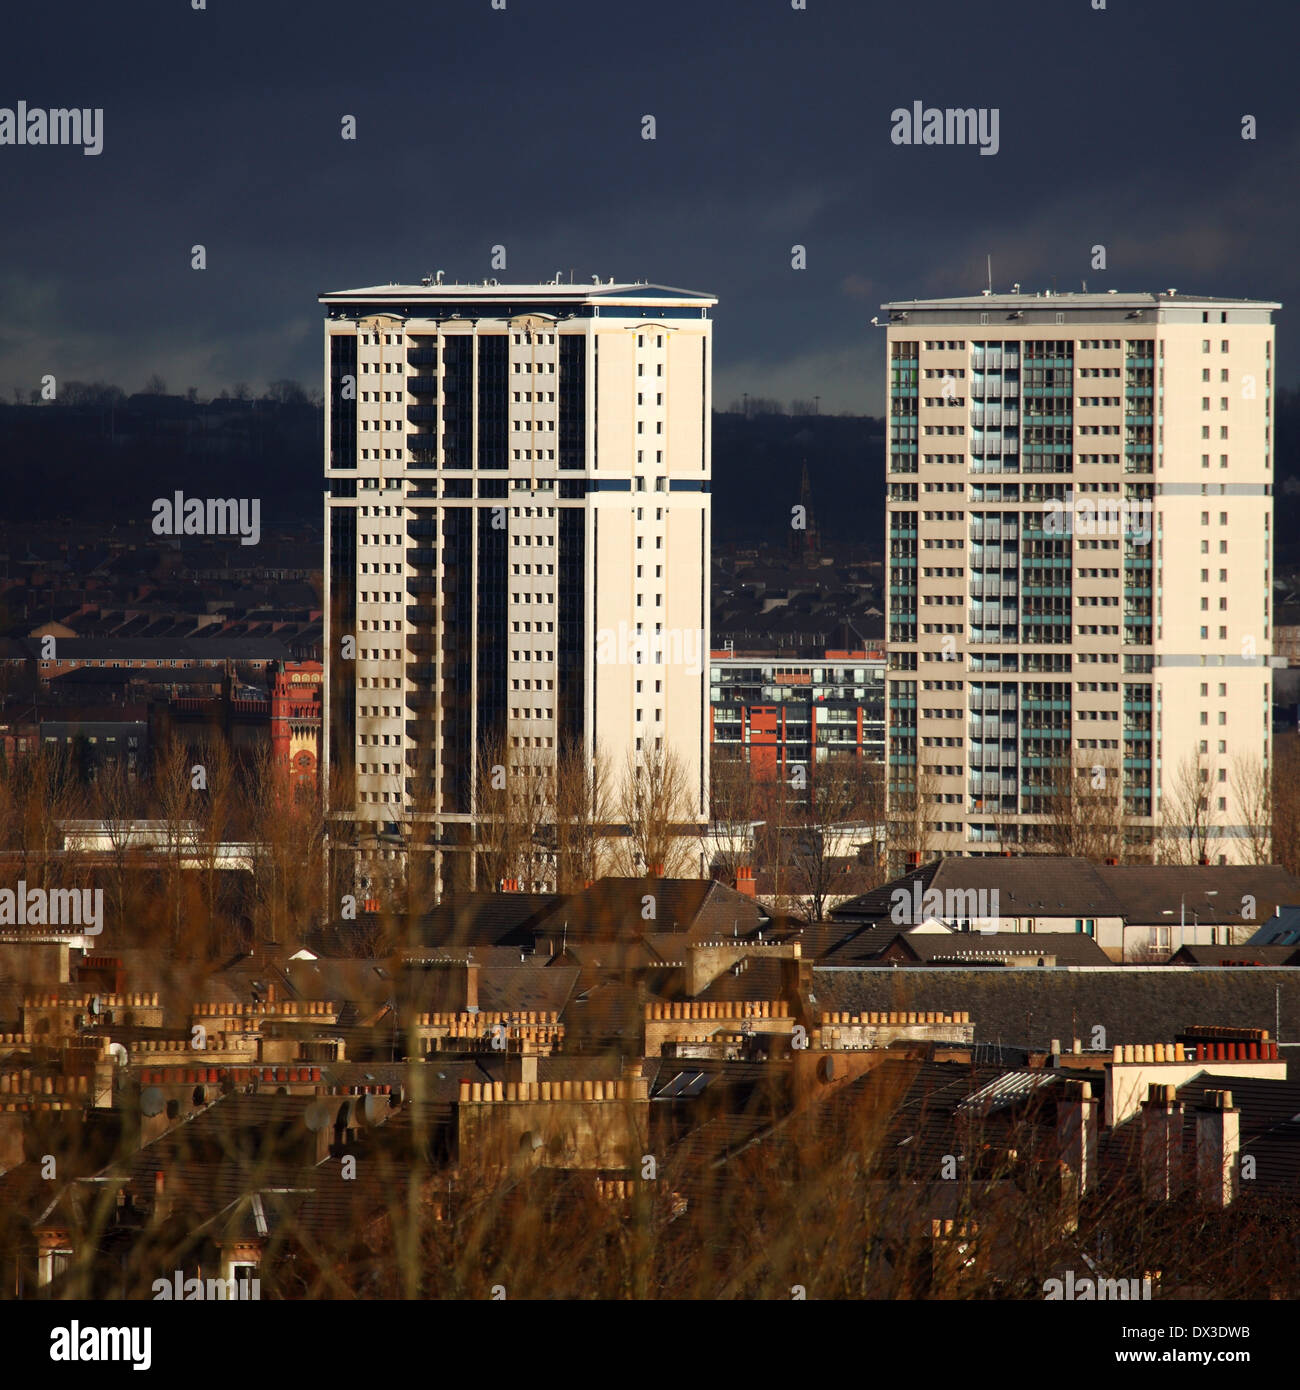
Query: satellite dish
[318,1116]
[530,1142]
[375,1109]
[151,1101]
[346,1117]
[827,1068]
[118,1053]
[397,1097]
[94,1004]
[199,1096]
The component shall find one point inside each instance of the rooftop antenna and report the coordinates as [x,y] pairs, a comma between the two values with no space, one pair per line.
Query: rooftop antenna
[989,259]
[441,273]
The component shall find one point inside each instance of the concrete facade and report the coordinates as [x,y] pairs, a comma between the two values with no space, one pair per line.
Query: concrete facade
[518,539]
[1140,640]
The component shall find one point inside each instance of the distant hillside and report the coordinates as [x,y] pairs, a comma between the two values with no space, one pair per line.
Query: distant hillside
[111,460]
[757,467]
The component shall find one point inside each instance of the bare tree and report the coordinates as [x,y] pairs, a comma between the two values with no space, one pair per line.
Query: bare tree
[843,806]
[215,802]
[734,797]
[654,804]
[116,803]
[173,794]
[583,816]
[515,815]
[287,825]
[1253,792]
[1285,801]
[1188,820]
[1084,813]
[909,809]
[39,792]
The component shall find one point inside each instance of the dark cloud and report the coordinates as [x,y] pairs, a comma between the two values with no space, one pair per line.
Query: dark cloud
[522,127]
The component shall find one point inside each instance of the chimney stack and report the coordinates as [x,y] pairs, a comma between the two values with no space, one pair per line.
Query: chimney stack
[522,1066]
[1076,1133]
[1162,1141]
[1218,1142]
[745,882]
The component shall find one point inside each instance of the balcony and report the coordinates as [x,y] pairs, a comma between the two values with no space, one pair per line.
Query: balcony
[422,558]
[422,385]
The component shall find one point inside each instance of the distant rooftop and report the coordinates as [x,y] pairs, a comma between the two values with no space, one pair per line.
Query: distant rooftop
[1079,301]
[577,292]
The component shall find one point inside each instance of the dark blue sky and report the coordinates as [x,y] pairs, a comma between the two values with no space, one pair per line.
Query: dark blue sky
[523,127]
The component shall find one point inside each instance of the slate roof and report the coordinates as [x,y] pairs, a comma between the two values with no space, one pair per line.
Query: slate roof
[1236,955]
[1216,893]
[990,948]
[483,919]
[504,989]
[603,1011]
[193,647]
[1059,885]
[1031,1007]
[820,939]
[702,908]
[1027,885]
[1270,1125]
[758,979]
[1282,929]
